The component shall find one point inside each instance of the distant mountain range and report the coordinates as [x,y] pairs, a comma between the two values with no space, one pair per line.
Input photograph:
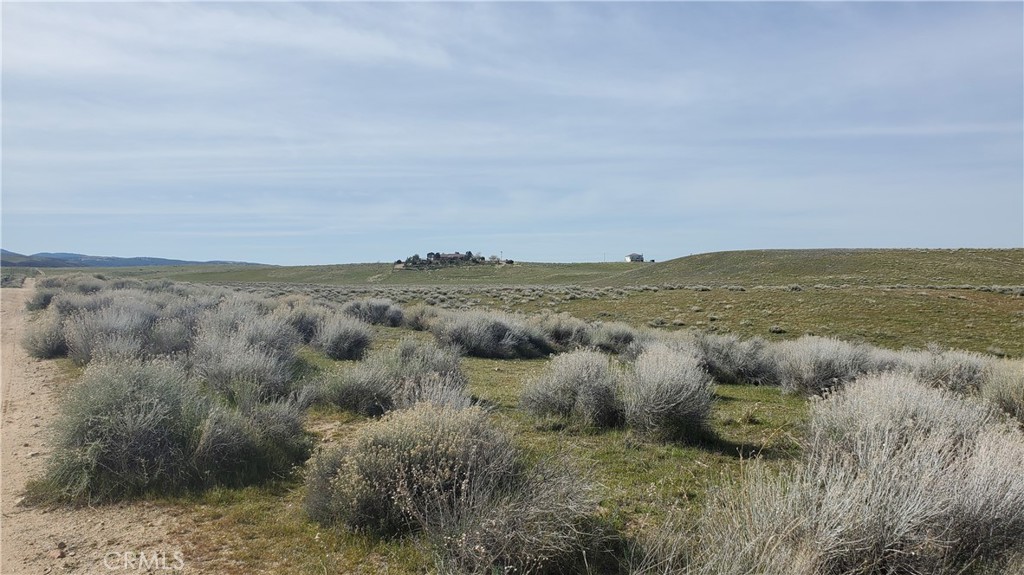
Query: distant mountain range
[68,260]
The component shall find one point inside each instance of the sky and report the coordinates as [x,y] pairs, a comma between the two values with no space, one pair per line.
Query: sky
[317,133]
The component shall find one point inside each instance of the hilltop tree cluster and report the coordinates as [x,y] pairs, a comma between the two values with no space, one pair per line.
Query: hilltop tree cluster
[439,259]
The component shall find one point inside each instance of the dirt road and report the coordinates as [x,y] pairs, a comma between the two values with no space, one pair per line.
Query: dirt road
[124,538]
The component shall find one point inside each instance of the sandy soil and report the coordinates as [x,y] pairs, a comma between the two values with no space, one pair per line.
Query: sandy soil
[105,539]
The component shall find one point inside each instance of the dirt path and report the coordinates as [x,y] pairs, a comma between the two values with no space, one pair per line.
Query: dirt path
[107,539]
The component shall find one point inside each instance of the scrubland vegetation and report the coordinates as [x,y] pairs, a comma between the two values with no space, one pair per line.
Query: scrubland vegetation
[460,435]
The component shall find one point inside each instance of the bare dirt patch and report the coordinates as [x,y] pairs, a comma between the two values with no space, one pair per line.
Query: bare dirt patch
[134,537]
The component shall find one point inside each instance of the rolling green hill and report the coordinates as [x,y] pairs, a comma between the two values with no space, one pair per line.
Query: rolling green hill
[838,267]
[976,267]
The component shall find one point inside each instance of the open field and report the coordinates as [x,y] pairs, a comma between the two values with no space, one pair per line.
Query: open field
[973,267]
[890,298]
[641,482]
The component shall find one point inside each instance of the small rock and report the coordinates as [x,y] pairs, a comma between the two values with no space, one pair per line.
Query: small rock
[56,554]
[24,445]
[62,545]
[33,453]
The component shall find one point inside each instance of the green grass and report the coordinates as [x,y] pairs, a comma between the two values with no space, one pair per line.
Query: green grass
[641,479]
[838,267]
[264,530]
[963,319]
[834,267]
[857,305]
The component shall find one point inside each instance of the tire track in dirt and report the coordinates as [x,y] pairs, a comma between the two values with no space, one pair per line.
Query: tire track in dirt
[85,540]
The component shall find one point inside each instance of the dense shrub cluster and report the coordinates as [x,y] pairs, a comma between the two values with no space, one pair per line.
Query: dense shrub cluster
[127,323]
[129,428]
[420,316]
[44,337]
[451,475]
[413,371]
[665,392]
[375,311]
[245,352]
[730,359]
[954,370]
[564,330]
[304,317]
[811,365]
[897,478]
[185,387]
[491,334]
[188,387]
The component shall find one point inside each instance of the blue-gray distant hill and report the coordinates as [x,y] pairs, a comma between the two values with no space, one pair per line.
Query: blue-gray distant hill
[70,260]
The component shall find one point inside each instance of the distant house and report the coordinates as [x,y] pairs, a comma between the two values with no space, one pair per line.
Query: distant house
[635,258]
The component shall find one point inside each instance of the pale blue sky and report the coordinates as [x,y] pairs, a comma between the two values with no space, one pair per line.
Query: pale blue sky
[348,132]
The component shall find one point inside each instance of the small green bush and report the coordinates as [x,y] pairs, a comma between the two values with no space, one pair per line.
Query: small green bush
[408,460]
[87,285]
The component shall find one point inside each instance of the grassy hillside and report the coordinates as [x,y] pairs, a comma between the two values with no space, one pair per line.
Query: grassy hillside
[863,309]
[838,267]
[385,274]
[746,268]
